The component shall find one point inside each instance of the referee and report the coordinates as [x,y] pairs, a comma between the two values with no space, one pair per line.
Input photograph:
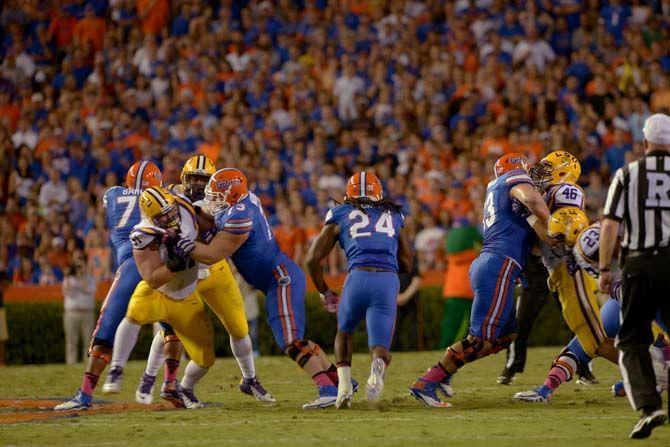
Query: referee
[639,197]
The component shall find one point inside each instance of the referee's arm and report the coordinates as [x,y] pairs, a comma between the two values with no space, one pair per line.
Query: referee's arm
[609,230]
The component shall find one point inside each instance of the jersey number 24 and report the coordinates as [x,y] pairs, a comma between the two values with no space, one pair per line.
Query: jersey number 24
[360,222]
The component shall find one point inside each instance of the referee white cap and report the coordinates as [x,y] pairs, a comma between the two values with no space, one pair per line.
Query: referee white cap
[657,129]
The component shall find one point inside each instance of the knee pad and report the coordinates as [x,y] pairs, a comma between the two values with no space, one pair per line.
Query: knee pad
[300,351]
[100,342]
[167,338]
[104,354]
[471,348]
[500,344]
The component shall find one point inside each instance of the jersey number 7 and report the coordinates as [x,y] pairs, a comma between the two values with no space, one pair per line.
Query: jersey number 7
[384,224]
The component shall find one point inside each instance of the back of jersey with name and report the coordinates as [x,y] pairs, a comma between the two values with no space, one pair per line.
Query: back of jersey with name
[122,214]
[369,236]
[260,254]
[506,231]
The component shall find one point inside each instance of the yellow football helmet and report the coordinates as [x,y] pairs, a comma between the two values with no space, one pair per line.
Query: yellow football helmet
[566,223]
[556,168]
[159,205]
[195,174]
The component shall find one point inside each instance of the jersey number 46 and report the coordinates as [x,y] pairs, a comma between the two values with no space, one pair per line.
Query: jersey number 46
[360,222]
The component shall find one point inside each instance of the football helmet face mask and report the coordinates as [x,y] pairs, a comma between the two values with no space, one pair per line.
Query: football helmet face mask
[195,175]
[364,184]
[142,175]
[225,188]
[565,224]
[160,206]
[510,162]
[556,168]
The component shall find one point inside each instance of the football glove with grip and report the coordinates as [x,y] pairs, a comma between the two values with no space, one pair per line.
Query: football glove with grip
[176,262]
[330,301]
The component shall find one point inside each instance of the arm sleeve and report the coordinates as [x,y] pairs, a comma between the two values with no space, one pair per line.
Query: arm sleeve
[239,220]
[614,205]
[141,238]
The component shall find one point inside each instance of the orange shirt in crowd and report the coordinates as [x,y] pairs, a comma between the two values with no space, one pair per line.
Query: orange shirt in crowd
[11,113]
[495,146]
[288,238]
[456,278]
[154,15]
[659,100]
[90,29]
[210,150]
[98,262]
[62,27]
[457,207]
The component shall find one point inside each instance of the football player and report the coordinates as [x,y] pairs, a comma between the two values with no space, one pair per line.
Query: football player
[556,175]
[369,230]
[508,238]
[167,292]
[122,214]
[244,235]
[571,226]
[216,287]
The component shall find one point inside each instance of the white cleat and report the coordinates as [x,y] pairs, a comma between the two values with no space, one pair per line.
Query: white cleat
[113,382]
[540,394]
[447,389]
[345,394]
[144,393]
[375,384]
[327,398]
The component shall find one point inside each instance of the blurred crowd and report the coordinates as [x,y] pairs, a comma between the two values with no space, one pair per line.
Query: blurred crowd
[301,93]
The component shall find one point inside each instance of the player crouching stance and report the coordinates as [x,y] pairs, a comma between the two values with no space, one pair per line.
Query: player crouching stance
[508,238]
[244,234]
[570,225]
[167,291]
[369,230]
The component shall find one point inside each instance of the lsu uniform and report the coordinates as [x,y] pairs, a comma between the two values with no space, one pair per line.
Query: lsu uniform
[266,268]
[369,238]
[507,242]
[218,288]
[176,302]
[122,213]
[577,290]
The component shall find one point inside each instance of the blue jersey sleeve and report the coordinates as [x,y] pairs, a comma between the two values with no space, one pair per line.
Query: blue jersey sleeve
[334,215]
[239,219]
[108,202]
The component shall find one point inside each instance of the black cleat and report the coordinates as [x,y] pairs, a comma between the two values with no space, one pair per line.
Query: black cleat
[506,377]
[647,423]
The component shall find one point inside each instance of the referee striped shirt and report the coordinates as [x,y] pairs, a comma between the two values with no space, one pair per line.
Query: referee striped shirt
[639,196]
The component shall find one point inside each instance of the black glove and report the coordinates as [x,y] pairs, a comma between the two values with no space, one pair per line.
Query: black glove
[175,262]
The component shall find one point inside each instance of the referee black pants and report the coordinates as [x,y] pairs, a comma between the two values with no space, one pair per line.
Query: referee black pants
[528,307]
[646,290]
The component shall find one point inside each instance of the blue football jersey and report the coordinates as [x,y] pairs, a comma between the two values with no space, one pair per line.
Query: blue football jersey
[369,238]
[260,254]
[506,231]
[122,214]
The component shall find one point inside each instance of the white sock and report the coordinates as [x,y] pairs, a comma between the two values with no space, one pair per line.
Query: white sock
[124,342]
[344,376]
[244,354]
[192,375]
[156,356]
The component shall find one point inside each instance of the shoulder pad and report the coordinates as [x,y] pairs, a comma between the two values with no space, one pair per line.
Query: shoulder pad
[566,194]
[109,194]
[143,237]
[333,214]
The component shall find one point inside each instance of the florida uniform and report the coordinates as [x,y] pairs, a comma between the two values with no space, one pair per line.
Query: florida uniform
[265,267]
[507,242]
[369,238]
[577,290]
[122,213]
[175,302]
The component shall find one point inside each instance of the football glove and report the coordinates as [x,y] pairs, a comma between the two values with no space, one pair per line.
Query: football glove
[330,301]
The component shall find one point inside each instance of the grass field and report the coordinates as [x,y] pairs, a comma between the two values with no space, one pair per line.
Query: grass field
[483,413]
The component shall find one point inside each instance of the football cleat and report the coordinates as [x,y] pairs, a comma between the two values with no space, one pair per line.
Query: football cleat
[354,386]
[345,393]
[618,390]
[190,400]
[506,377]
[327,398]
[446,388]
[113,383]
[375,384]
[585,376]
[80,401]
[426,392]
[539,394]
[170,392]
[253,387]
[647,423]
[144,392]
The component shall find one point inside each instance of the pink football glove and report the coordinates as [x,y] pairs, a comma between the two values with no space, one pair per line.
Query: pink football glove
[330,300]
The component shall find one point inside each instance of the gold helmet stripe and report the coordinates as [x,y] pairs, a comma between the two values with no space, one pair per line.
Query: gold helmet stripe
[158,196]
